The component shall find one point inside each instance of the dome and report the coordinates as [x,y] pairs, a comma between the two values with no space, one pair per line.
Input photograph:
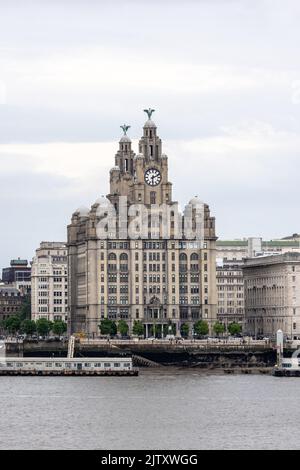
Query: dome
[149,123]
[164,156]
[114,168]
[139,156]
[102,201]
[82,211]
[125,139]
[195,201]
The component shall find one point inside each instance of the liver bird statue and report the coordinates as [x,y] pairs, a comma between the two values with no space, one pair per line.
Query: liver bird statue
[149,112]
[125,128]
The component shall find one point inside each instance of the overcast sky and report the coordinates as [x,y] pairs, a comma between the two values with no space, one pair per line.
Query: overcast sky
[223,76]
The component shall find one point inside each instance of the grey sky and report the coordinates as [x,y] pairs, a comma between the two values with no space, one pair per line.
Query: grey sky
[223,76]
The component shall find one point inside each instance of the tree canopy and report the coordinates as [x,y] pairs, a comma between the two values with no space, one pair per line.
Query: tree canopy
[185,329]
[12,324]
[138,328]
[234,328]
[218,328]
[201,328]
[59,327]
[28,327]
[123,327]
[43,326]
[108,327]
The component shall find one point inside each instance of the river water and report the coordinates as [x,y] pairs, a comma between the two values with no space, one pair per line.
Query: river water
[160,409]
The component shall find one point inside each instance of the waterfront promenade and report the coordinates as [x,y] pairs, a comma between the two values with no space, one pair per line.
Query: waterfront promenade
[154,353]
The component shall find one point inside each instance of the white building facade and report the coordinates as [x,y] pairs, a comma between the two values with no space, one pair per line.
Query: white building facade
[230,290]
[49,282]
[272,295]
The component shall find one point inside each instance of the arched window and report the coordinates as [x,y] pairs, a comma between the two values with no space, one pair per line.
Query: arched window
[112,257]
[194,256]
[123,257]
[183,257]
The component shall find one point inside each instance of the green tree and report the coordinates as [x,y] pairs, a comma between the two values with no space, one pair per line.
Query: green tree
[108,327]
[185,329]
[219,328]
[123,328]
[138,328]
[12,324]
[43,326]
[25,309]
[201,328]
[59,327]
[28,327]
[234,328]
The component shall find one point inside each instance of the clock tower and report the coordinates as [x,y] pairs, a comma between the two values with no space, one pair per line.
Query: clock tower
[163,279]
[143,178]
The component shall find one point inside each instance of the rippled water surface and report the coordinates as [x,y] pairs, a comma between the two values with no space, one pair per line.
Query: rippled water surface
[166,409]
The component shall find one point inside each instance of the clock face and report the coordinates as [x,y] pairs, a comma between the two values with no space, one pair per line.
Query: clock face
[152,177]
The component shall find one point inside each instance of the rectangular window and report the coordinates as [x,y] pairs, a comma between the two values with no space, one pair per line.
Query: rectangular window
[152,197]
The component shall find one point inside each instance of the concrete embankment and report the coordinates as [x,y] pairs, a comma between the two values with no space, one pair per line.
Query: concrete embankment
[146,354]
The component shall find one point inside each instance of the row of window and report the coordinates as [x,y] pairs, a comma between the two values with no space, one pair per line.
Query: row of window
[239,311]
[183,278]
[230,302]
[230,288]
[8,309]
[154,256]
[193,289]
[157,245]
[230,295]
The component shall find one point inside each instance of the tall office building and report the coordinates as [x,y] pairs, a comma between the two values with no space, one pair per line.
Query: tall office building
[49,274]
[18,275]
[134,256]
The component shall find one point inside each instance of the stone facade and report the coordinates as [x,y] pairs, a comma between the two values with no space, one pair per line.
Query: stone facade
[158,279]
[272,295]
[49,282]
[230,280]
[230,289]
[11,300]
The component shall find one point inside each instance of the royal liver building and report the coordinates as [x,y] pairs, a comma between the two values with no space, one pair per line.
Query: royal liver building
[134,255]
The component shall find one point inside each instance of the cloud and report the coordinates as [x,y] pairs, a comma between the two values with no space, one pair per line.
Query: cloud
[248,174]
[223,77]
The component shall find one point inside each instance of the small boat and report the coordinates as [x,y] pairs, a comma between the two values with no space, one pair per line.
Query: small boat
[288,367]
[108,366]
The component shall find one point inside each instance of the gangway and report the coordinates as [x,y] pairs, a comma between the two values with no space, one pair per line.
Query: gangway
[71,347]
